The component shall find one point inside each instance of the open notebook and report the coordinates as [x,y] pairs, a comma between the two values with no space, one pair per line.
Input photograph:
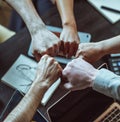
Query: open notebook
[21,75]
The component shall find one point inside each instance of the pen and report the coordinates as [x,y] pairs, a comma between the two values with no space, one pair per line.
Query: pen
[110,9]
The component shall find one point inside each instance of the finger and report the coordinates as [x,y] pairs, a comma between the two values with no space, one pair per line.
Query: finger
[43,58]
[51,60]
[51,71]
[41,52]
[42,63]
[59,43]
[59,72]
[79,54]
[75,48]
[37,55]
[59,67]
[68,85]
[66,71]
[66,48]
[61,49]
[70,52]
[56,49]
[50,51]
[72,49]
[44,51]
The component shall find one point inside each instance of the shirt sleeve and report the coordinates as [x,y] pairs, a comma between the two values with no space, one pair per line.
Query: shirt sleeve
[107,83]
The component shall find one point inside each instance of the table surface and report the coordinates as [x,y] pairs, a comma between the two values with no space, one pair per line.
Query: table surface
[88,20]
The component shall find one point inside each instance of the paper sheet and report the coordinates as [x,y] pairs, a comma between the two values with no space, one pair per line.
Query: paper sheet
[21,75]
[111,16]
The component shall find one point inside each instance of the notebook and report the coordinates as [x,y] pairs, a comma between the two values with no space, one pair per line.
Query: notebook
[21,75]
[110,16]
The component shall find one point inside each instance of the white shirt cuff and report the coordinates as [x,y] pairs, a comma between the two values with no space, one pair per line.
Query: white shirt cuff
[108,83]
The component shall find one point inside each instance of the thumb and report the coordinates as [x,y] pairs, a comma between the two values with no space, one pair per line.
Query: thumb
[68,85]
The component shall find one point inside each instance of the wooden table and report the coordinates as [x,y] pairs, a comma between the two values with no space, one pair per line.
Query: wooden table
[88,20]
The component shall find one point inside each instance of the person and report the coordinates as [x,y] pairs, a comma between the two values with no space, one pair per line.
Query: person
[44,41]
[43,80]
[81,74]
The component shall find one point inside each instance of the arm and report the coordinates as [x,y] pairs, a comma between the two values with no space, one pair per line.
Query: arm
[81,75]
[28,13]
[92,52]
[69,33]
[27,107]
[43,41]
[108,83]
[111,45]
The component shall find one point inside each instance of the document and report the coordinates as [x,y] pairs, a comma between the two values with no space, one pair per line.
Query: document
[111,16]
[21,75]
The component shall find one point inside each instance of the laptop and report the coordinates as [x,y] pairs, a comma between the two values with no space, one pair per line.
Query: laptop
[111,114]
[84,106]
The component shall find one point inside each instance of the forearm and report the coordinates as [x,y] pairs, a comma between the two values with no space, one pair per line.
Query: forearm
[28,13]
[25,110]
[28,104]
[111,45]
[65,8]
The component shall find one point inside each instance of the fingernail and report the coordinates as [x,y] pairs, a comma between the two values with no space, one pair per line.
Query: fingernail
[68,85]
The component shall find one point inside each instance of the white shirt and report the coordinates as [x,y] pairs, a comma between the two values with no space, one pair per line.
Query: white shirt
[108,83]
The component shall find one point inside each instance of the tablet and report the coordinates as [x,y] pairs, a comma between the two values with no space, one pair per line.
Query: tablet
[84,38]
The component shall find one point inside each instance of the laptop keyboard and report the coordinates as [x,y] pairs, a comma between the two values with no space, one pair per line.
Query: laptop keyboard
[112,114]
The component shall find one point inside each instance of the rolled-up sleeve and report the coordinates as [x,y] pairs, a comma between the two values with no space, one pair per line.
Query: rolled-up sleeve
[108,83]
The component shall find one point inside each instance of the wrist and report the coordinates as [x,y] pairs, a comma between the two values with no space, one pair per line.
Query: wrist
[69,23]
[101,48]
[37,90]
[35,27]
[93,76]
[107,46]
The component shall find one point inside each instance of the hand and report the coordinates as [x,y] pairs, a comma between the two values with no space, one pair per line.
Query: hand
[45,42]
[80,74]
[90,52]
[48,71]
[70,40]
